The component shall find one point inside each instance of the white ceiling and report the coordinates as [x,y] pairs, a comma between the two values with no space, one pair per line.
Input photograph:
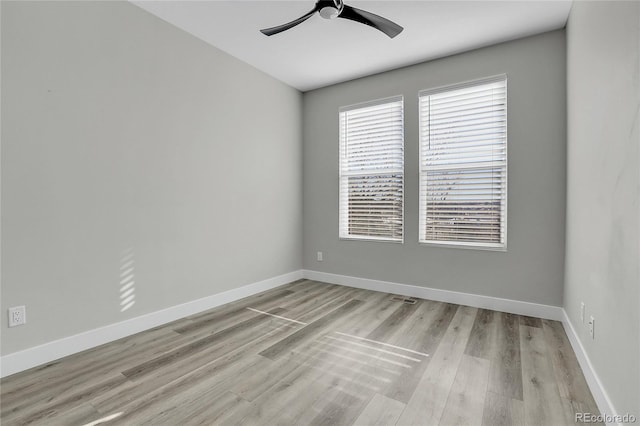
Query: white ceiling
[321,52]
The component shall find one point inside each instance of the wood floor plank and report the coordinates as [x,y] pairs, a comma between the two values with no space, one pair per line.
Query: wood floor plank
[422,330]
[376,308]
[380,411]
[572,408]
[218,372]
[333,374]
[369,367]
[188,349]
[517,413]
[428,401]
[426,340]
[59,404]
[283,401]
[505,376]
[76,415]
[309,331]
[224,364]
[482,340]
[497,410]
[500,410]
[571,382]
[542,405]
[339,298]
[71,374]
[530,321]
[220,319]
[206,402]
[343,397]
[298,306]
[240,374]
[393,321]
[496,337]
[201,409]
[342,409]
[465,403]
[312,353]
[182,401]
[211,360]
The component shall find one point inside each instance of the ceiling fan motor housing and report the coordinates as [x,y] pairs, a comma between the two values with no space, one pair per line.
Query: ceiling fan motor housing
[329,12]
[330,9]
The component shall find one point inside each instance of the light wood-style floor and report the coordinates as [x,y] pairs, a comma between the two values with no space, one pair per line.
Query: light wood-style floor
[315,354]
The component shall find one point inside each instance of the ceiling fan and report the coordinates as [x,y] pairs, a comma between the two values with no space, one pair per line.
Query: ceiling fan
[331,9]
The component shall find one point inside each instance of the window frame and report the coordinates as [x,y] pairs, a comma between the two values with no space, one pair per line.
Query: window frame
[499,247]
[361,105]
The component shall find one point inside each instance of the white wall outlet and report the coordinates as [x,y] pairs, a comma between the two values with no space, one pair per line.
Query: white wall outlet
[582,312]
[592,325]
[320,256]
[17,316]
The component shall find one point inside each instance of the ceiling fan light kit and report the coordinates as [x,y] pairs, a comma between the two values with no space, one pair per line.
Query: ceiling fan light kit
[332,9]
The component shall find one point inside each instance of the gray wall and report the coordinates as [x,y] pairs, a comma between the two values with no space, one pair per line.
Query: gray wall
[533,267]
[603,183]
[123,132]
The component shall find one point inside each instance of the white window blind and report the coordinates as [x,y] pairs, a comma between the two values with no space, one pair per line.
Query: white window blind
[372,170]
[463,164]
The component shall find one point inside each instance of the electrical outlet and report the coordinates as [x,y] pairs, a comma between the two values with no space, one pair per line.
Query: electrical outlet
[592,324]
[582,312]
[17,316]
[320,256]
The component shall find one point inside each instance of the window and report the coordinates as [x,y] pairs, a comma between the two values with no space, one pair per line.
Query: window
[463,164]
[372,170]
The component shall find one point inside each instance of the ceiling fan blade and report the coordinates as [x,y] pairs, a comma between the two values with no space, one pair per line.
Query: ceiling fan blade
[280,28]
[378,22]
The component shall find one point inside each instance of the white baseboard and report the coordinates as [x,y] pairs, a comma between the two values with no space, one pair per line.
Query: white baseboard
[597,390]
[32,357]
[475,300]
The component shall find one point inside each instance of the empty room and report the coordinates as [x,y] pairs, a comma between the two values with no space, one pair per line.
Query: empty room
[320,212]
